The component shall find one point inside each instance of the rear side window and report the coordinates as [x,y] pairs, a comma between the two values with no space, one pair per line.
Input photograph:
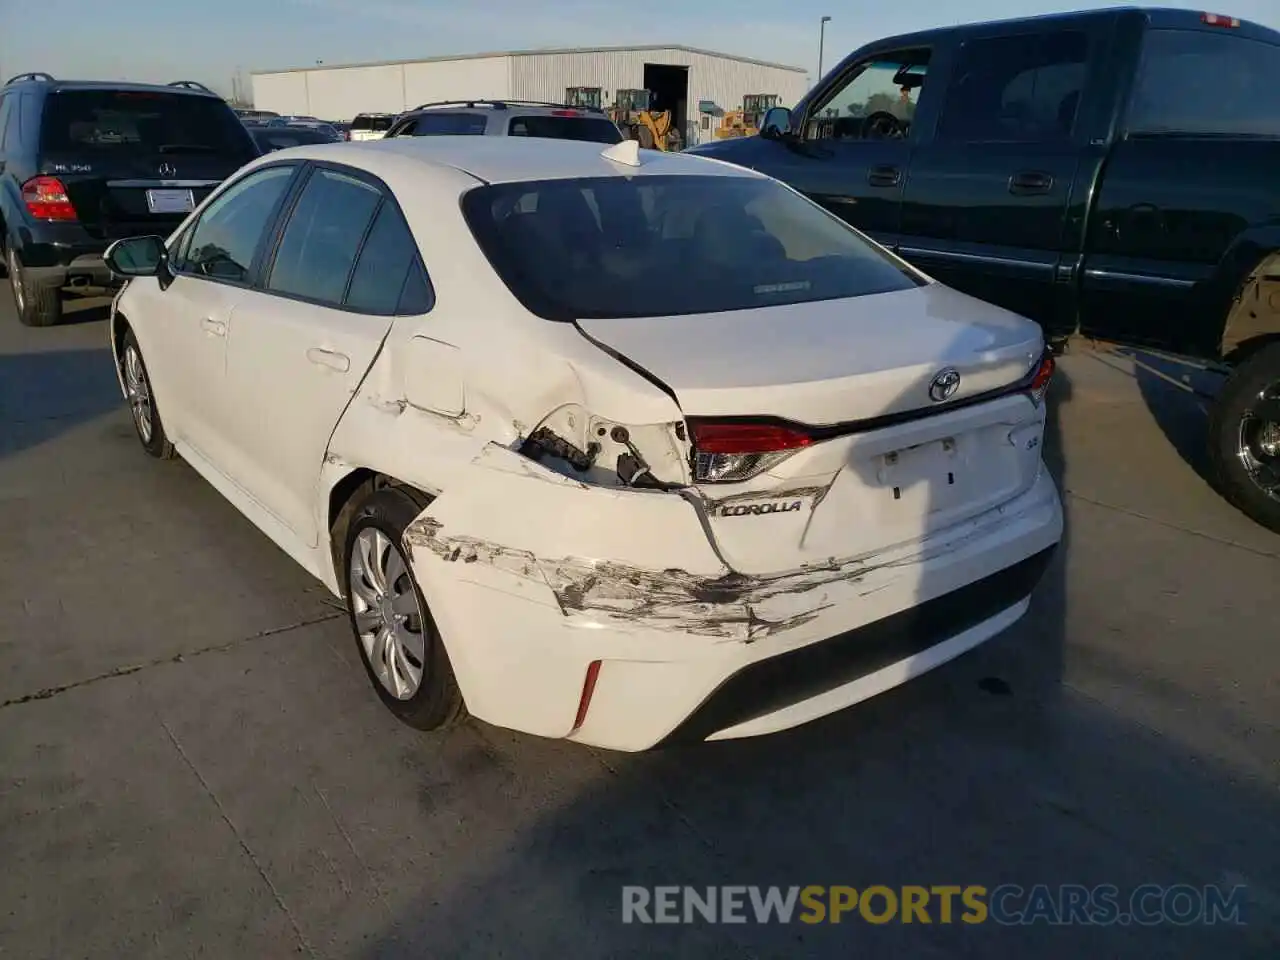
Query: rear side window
[141,122]
[1196,82]
[1022,88]
[377,124]
[381,274]
[6,103]
[580,249]
[319,245]
[591,129]
[446,125]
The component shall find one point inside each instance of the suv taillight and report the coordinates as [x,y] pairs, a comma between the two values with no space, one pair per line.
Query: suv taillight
[731,452]
[46,199]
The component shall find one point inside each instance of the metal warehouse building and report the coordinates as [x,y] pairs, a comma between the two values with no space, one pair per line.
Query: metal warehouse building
[697,85]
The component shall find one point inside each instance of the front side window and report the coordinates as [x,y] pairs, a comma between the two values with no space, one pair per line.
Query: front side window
[876,101]
[552,127]
[579,249]
[128,123]
[447,125]
[225,239]
[1021,89]
[318,247]
[1196,82]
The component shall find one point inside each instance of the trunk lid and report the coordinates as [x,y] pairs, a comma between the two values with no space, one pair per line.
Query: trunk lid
[882,462]
[135,162]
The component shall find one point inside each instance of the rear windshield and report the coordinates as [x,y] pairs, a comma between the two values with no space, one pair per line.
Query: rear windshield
[377,124]
[660,245]
[593,129]
[127,121]
[447,124]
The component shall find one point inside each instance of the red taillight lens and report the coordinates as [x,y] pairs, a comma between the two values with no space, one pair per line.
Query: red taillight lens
[46,199]
[1218,20]
[1040,381]
[746,438]
[731,452]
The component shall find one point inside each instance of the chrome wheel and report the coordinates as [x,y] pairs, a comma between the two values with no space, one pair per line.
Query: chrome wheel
[138,392]
[387,614]
[1258,444]
[19,295]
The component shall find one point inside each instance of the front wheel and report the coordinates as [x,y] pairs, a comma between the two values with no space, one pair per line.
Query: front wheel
[395,635]
[142,401]
[1244,437]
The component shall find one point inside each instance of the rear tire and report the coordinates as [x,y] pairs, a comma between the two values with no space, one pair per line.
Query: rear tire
[37,304]
[1244,450]
[396,637]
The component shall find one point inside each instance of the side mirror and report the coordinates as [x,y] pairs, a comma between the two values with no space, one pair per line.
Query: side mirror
[777,121]
[136,257]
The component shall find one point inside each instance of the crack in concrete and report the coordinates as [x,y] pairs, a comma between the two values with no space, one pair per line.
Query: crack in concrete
[244,846]
[126,671]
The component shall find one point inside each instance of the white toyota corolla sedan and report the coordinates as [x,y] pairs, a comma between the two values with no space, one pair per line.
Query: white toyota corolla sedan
[605,444]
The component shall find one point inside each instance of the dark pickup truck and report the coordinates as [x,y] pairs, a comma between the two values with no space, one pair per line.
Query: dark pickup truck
[1111,173]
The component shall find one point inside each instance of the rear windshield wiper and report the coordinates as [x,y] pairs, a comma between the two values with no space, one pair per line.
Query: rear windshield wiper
[186,148]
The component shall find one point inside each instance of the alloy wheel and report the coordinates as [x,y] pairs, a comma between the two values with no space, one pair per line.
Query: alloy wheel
[1258,446]
[388,616]
[139,393]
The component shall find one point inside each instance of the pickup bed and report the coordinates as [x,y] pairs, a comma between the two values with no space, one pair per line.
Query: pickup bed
[1112,173]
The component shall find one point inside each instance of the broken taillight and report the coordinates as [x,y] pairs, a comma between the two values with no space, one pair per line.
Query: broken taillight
[727,452]
[1039,385]
[46,199]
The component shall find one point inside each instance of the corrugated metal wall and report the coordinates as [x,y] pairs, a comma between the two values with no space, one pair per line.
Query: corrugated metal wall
[339,93]
[718,79]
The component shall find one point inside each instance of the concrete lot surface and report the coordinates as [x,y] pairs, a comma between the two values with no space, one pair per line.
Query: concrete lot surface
[192,763]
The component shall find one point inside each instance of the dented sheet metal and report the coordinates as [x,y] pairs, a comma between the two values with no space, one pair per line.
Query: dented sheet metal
[728,607]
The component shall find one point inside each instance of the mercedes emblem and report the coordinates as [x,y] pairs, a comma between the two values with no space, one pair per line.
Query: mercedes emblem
[167,170]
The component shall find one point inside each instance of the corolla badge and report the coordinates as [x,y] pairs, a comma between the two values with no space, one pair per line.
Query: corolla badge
[944,385]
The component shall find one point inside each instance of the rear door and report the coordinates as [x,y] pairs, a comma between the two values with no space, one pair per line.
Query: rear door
[302,342]
[138,161]
[985,206]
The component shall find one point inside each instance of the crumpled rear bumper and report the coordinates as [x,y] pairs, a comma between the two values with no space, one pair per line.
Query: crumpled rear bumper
[532,576]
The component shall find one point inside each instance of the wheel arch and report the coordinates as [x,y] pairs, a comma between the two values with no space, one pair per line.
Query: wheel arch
[1248,295]
[348,487]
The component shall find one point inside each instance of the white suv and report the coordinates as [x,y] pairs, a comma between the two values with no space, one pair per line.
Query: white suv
[371,126]
[802,475]
[507,118]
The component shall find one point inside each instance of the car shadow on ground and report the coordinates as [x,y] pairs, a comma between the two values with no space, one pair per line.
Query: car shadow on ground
[990,770]
[43,394]
[1179,396]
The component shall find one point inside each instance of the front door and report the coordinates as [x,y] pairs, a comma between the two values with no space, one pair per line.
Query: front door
[985,208]
[856,141]
[300,345]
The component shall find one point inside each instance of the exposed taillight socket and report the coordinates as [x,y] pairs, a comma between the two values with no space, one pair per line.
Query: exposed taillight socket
[46,199]
[732,451]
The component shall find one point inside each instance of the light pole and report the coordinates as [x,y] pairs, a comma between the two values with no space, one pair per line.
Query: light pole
[822,32]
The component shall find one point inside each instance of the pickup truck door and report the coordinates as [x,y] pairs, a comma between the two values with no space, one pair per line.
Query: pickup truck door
[855,140]
[986,206]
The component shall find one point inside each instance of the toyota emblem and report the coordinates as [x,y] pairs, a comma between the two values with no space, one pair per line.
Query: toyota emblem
[944,385]
[167,170]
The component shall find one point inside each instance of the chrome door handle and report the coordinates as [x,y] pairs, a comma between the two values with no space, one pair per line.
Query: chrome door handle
[216,327]
[328,358]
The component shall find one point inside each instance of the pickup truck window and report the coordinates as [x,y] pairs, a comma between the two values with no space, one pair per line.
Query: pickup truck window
[1023,88]
[1195,82]
[875,101]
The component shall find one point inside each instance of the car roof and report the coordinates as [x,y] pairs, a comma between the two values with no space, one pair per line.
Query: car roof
[108,85]
[514,159]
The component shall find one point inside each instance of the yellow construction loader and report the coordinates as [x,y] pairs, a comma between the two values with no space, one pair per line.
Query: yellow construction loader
[745,122]
[653,129]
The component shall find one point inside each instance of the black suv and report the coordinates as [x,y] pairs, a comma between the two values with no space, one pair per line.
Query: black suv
[1112,173]
[84,163]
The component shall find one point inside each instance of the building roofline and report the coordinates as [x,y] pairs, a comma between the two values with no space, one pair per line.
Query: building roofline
[534,53]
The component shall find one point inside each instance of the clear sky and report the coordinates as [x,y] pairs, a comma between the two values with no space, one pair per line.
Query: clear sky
[200,40]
